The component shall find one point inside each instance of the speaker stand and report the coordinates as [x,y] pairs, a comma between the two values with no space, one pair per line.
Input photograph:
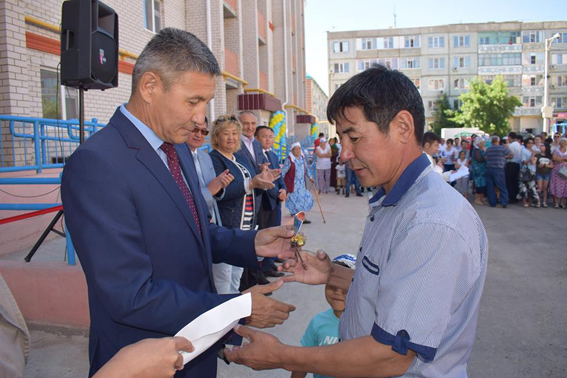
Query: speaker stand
[81,114]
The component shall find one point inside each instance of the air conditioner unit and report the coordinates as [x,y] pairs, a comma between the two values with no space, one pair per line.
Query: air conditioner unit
[331,71]
[552,85]
[553,66]
[441,91]
[455,69]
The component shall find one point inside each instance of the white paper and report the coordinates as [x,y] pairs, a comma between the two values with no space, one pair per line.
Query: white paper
[462,172]
[209,327]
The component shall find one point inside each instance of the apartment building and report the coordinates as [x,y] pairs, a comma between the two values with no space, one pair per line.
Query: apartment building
[443,59]
[259,45]
[317,106]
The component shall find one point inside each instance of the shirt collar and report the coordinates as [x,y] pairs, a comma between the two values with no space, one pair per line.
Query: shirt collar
[246,139]
[406,180]
[148,133]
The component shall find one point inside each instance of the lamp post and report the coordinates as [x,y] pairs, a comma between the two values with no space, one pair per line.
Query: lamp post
[547,110]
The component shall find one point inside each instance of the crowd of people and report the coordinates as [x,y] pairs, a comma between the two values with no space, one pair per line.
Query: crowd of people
[529,170]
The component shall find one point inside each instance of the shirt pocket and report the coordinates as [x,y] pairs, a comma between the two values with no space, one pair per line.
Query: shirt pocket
[370,266]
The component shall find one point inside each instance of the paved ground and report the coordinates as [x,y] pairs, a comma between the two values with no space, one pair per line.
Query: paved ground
[522,325]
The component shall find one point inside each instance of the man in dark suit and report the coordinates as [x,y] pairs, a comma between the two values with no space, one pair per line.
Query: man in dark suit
[137,218]
[252,152]
[270,214]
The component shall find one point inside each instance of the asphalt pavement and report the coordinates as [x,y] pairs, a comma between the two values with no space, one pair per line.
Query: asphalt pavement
[522,325]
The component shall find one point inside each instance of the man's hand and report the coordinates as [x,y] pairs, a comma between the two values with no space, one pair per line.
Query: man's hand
[220,182]
[261,353]
[267,312]
[282,195]
[319,268]
[150,358]
[274,242]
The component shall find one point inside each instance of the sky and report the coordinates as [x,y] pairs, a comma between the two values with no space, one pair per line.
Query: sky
[322,16]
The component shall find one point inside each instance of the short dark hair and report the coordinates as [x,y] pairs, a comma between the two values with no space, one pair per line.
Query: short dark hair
[260,128]
[172,52]
[512,135]
[430,137]
[321,135]
[381,93]
[449,141]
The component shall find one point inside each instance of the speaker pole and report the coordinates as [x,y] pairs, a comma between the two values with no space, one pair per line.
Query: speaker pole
[81,115]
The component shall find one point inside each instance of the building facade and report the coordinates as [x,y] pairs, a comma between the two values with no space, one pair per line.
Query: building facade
[259,45]
[317,106]
[443,59]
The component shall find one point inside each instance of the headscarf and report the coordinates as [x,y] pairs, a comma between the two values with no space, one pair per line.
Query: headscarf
[291,155]
[477,141]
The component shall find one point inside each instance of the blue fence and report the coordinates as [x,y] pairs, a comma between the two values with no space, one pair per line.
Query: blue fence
[29,143]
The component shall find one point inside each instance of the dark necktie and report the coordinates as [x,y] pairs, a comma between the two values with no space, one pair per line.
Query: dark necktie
[175,169]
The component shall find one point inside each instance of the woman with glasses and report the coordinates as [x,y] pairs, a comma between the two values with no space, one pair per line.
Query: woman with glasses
[558,184]
[236,206]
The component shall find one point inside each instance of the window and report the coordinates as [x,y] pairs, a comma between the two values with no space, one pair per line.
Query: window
[436,63]
[341,67]
[436,84]
[510,80]
[461,41]
[484,40]
[462,62]
[531,101]
[514,59]
[391,63]
[457,104]
[410,63]
[562,38]
[560,102]
[51,95]
[388,42]
[337,86]
[411,41]
[435,42]
[461,83]
[533,58]
[532,80]
[559,59]
[432,105]
[368,43]
[531,36]
[561,81]
[365,64]
[152,13]
[339,47]
[416,82]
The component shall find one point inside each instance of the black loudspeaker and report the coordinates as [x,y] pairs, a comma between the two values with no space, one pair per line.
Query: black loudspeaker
[89,45]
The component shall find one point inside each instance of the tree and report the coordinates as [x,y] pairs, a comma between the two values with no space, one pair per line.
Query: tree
[487,106]
[442,115]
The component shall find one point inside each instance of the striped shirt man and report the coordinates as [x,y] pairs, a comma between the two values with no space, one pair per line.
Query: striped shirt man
[420,273]
[496,156]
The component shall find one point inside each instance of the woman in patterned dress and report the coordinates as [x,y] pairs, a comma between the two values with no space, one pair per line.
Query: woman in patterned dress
[295,172]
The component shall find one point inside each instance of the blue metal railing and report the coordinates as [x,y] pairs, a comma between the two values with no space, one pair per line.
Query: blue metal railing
[29,143]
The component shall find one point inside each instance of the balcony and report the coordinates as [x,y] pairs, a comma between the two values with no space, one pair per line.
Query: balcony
[261,29]
[499,70]
[534,68]
[229,8]
[305,118]
[533,90]
[514,47]
[525,111]
[230,62]
[258,101]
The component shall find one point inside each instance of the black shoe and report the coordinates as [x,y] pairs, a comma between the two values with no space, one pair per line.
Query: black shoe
[306,222]
[273,273]
[359,195]
[261,279]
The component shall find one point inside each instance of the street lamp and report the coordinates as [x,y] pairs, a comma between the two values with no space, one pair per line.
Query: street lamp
[546,110]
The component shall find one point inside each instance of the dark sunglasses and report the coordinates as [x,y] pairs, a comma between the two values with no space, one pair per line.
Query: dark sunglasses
[225,119]
[204,132]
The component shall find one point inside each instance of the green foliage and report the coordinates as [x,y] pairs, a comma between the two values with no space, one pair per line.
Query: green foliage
[487,106]
[442,115]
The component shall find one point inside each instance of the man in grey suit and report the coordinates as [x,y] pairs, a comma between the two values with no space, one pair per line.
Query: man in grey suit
[212,188]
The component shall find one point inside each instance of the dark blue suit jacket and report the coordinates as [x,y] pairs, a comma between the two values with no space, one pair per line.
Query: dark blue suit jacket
[270,197]
[148,269]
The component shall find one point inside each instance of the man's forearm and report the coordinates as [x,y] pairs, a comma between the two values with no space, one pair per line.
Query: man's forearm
[362,357]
